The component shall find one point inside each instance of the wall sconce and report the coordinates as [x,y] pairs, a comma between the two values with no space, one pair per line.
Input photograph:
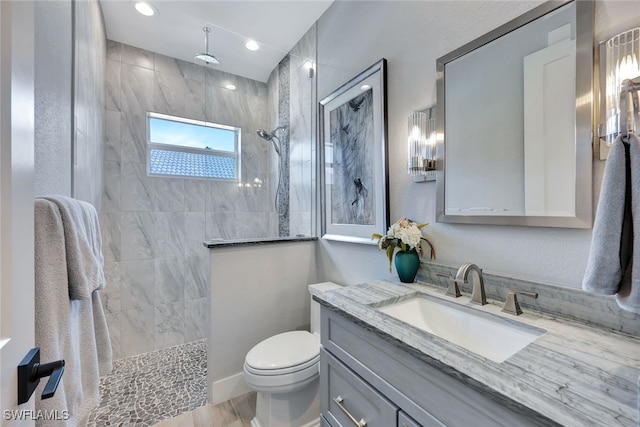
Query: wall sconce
[422,146]
[619,61]
[311,68]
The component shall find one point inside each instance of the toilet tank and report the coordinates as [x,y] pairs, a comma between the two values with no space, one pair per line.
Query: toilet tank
[315,307]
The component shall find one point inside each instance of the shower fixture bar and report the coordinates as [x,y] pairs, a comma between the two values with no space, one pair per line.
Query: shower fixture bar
[273,138]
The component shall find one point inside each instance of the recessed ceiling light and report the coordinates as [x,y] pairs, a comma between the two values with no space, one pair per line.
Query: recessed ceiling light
[231,87]
[365,87]
[252,45]
[145,8]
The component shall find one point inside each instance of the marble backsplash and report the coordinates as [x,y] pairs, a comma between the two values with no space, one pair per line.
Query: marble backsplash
[562,301]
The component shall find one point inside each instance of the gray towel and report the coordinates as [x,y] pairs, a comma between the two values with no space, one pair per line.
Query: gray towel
[610,268]
[73,330]
[604,270]
[628,296]
[83,242]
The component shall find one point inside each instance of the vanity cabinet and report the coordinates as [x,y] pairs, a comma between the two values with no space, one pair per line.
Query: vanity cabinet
[351,399]
[385,383]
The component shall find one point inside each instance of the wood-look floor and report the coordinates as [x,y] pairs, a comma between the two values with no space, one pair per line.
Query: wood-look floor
[237,412]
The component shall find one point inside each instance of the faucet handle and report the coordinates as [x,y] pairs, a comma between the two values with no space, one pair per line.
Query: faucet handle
[453,290]
[511,305]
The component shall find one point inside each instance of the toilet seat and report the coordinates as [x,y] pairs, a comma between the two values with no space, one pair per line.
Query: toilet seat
[283,371]
[283,362]
[284,353]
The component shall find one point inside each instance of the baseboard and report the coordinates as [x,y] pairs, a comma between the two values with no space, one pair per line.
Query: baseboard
[228,388]
[314,423]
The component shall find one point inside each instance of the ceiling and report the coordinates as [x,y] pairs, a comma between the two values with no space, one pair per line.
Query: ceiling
[176,29]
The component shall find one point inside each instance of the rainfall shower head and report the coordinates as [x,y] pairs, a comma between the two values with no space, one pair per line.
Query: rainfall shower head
[206,56]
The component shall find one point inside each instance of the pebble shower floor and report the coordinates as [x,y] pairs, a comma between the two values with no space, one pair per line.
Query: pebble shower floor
[145,389]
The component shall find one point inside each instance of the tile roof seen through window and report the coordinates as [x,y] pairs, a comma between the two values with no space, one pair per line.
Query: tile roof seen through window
[165,162]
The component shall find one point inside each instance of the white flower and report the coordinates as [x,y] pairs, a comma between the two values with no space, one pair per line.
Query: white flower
[407,231]
[405,235]
[410,236]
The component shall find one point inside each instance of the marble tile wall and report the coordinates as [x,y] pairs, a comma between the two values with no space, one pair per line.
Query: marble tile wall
[89,80]
[302,107]
[292,102]
[273,101]
[154,227]
[284,114]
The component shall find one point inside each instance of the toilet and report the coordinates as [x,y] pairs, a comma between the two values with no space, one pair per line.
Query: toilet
[283,370]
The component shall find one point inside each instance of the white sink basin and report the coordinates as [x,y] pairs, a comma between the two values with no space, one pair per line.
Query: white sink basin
[485,334]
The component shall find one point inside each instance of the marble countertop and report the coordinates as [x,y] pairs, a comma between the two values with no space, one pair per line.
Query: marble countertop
[574,374]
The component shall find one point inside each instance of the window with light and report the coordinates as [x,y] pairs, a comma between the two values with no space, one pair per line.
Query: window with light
[182,147]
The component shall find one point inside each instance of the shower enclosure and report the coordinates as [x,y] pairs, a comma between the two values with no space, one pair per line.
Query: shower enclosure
[154,226]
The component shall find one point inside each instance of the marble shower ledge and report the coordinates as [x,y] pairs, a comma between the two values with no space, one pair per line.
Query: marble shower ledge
[574,374]
[212,244]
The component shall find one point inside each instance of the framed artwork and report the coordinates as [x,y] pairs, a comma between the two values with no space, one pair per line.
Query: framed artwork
[354,175]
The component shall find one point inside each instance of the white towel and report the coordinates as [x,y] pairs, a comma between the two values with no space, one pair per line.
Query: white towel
[73,330]
[83,241]
[610,268]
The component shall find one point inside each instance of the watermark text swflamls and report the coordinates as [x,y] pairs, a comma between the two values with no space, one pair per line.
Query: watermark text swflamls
[31,415]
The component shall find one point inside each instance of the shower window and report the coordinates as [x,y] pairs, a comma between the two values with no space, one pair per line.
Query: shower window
[177,146]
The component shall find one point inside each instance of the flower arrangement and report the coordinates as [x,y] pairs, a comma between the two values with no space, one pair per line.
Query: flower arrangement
[405,235]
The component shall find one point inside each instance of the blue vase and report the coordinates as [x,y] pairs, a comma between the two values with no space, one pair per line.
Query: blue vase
[407,264]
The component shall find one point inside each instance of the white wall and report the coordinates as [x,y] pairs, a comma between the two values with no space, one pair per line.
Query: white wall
[53,106]
[69,129]
[411,36]
[256,292]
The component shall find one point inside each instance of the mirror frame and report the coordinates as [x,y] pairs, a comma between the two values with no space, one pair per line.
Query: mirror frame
[584,120]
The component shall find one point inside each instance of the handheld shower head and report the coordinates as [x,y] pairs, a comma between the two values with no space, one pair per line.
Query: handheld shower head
[264,135]
[269,137]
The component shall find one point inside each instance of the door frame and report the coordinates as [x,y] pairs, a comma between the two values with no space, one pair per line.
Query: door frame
[17,24]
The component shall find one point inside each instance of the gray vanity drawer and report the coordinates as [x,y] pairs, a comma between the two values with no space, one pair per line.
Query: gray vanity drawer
[405,421]
[358,398]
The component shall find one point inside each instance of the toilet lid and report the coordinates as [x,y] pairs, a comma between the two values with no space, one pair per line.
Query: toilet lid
[286,350]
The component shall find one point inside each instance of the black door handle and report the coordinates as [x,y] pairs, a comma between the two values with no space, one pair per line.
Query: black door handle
[30,370]
[54,371]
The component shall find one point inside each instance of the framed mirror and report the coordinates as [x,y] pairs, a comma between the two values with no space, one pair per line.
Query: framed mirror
[514,122]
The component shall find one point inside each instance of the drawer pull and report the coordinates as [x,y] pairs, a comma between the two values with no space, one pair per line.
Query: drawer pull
[362,423]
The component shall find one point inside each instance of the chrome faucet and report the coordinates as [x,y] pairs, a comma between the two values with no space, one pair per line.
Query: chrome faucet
[477,294]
